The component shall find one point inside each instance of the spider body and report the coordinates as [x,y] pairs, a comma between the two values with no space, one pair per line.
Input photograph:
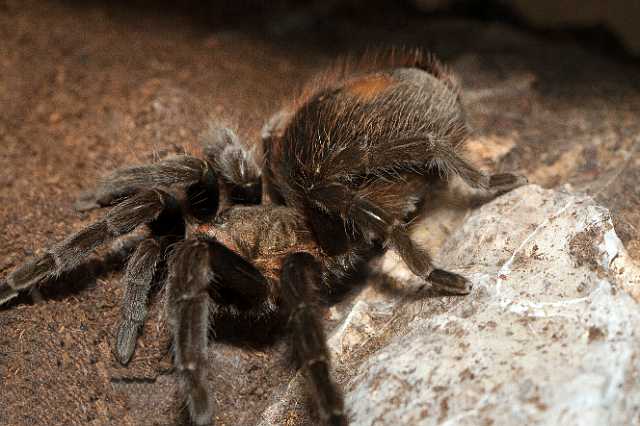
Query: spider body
[345,167]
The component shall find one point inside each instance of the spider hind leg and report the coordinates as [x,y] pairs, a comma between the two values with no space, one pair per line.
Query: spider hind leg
[371,218]
[446,161]
[504,182]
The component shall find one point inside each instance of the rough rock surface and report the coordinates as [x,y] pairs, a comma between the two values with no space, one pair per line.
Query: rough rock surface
[548,336]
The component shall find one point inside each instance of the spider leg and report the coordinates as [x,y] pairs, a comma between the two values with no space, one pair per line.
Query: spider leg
[122,183]
[235,165]
[300,274]
[199,269]
[442,158]
[188,313]
[448,162]
[504,182]
[372,219]
[239,283]
[142,208]
[137,280]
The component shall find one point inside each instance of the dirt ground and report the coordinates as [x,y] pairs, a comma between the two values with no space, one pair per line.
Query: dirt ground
[88,88]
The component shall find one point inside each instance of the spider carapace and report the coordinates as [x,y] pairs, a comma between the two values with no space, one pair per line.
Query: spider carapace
[345,167]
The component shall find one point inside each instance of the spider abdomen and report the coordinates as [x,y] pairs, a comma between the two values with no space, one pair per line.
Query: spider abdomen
[375,126]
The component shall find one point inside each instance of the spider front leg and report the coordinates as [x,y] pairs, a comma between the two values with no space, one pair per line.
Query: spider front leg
[241,176]
[188,313]
[300,274]
[142,208]
[124,182]
[205,277]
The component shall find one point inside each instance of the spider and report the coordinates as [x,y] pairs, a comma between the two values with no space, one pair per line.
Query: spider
[345,168]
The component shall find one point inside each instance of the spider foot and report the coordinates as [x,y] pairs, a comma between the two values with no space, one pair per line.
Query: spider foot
[505,182]
[338,419]
[86,201]
[449,282]
[200,407]
[126,341]
[6,292]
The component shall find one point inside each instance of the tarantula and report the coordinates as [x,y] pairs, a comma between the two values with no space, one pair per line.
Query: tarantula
[345,167]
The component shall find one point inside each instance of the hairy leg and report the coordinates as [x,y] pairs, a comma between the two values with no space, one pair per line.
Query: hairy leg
[137,281]
[205,277]
[418,153]
[142,208]
[238,282]
[121,183]
[504,182]
[300,273]
[235,165]
[372,219]
[188,314]
[447,162]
